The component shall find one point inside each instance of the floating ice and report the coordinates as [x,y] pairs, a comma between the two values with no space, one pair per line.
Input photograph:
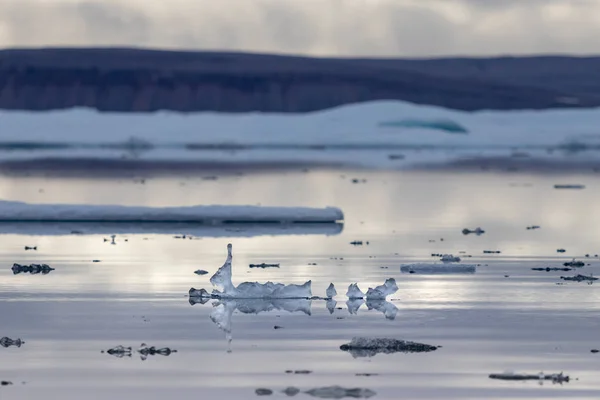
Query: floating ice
[449,258]
[331,292]
[33,269]
[24,212]
[338,392]
[511,376]
[433,268]
[8,342]
[250,290]
[579,278]
[368,347]
[382,291]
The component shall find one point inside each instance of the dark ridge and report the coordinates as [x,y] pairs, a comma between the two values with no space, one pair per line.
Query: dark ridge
[139,80]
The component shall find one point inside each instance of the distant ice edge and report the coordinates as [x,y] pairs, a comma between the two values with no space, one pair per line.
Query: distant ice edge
[11,211]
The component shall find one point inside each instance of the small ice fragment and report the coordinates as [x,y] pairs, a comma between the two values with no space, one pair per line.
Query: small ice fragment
[32,269]
[331,292]
[477,231]
[146,351]
[120,351]
[449,258]
[369,347]
[199,293]
[291,391]
[354,292]
[382,291]
[569,186]
[338,392]
[433,268]
[263,265]
[579,278]
[8,342]
[511,376]
[574,263]
[263,392]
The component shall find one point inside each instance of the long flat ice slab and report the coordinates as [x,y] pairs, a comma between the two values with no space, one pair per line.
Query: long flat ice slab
[25,212]
[438,268]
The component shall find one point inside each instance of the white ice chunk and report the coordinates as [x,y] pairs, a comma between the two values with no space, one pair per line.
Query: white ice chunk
[225,288]
[23,212]
[382,291]
[434,268]
[354,292]
[331,292]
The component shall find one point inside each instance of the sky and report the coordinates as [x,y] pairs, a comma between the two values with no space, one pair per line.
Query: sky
[389,28]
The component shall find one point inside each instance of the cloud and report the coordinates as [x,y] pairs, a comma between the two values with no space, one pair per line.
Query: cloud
[316,27]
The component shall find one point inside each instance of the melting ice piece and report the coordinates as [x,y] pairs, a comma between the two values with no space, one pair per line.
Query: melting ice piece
[511,376]
[382,291]
[250,290]
[369,347]
[338,392]
[7,342]
[331,292]
[32,269]
[120,351]
[146,351]
[434,268]
[449,258]
[354,292]
[579,278]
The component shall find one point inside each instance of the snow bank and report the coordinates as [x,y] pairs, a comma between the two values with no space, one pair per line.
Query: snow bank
[17,211]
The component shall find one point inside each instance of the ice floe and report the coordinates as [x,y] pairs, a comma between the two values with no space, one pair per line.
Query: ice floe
[438,268]
[368,347]
[512,376]
[23,212]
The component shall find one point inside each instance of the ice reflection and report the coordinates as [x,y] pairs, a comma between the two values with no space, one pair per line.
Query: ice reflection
[223,309]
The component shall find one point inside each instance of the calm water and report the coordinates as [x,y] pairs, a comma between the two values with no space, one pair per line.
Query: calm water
[486,322]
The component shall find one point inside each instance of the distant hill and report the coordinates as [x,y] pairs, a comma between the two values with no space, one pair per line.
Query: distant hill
[137,80]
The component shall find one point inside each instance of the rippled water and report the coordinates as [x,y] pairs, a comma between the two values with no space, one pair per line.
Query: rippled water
[503,317]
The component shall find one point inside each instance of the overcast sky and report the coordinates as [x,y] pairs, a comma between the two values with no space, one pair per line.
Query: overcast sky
[314,27]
